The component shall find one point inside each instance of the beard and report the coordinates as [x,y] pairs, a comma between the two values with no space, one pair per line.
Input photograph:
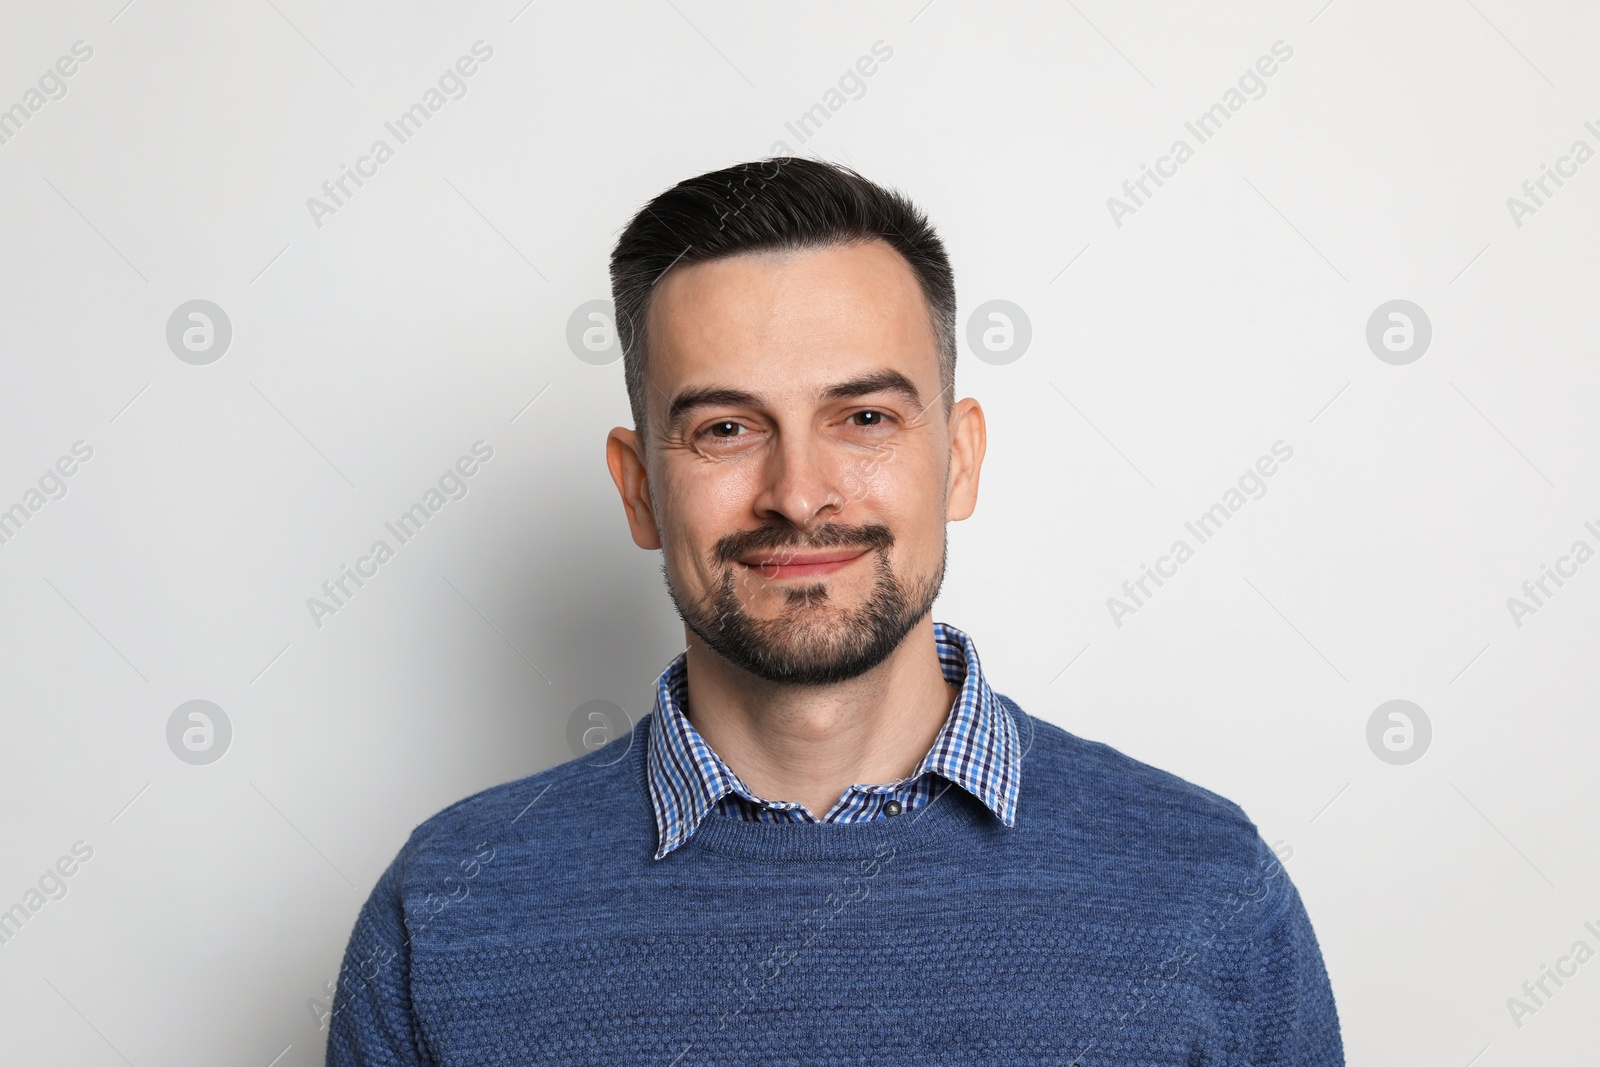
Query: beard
[813,641]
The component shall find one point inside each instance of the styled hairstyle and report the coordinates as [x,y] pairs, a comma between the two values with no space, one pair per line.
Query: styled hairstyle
[785,203]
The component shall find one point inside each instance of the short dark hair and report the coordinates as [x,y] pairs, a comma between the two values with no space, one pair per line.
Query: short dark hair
[785,203]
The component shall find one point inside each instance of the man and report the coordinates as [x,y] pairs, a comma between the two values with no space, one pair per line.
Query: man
[830,841]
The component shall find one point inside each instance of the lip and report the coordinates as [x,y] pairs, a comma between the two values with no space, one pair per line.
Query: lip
[811,565]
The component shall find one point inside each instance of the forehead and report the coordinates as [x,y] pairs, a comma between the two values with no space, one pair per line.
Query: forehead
[785,324]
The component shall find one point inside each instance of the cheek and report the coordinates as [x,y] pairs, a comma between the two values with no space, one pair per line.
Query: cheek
[902,485]
[701,509]
[724,492]
[905,494]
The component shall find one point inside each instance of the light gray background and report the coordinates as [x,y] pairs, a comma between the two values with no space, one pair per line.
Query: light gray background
[1168,353]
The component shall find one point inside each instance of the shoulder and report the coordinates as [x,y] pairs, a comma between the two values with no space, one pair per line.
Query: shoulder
[1064,764]
[566,806]
[1129,811]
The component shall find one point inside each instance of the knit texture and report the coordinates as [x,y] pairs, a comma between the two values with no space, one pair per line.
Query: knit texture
[1127,917]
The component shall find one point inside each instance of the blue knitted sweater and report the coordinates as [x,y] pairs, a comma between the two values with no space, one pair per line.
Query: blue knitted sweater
[1127,918]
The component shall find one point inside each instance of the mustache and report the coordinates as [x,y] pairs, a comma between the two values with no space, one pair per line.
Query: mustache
[777,538]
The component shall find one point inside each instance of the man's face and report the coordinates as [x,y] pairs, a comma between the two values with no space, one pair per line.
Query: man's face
[799,459]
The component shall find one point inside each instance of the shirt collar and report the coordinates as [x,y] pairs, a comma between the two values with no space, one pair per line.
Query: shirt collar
[976,749]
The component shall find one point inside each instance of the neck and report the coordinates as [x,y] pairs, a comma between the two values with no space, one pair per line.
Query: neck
[811,743]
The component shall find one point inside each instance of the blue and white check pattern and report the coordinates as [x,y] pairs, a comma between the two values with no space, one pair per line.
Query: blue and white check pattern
[977,749]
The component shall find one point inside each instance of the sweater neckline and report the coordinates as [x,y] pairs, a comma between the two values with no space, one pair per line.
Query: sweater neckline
[949,809]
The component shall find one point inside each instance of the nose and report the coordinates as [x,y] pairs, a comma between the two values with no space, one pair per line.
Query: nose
[800,483]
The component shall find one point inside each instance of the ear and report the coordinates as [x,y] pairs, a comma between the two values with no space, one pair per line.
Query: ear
[967,442]
[625,458]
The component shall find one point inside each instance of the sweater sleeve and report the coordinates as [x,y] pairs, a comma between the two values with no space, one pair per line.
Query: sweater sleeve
[1293,1021]
[371,1023]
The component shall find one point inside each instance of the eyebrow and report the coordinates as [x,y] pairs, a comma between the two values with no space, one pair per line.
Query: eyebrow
[882,381]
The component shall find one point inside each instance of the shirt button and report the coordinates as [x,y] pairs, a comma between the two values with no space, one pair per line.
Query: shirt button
[894,807]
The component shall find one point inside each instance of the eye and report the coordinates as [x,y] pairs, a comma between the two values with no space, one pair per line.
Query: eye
[721,424]
[878,418]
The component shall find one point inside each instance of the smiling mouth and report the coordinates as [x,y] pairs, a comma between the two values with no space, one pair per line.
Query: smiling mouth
[812,565]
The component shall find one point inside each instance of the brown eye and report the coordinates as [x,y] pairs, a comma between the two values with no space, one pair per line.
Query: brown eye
[722,431]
